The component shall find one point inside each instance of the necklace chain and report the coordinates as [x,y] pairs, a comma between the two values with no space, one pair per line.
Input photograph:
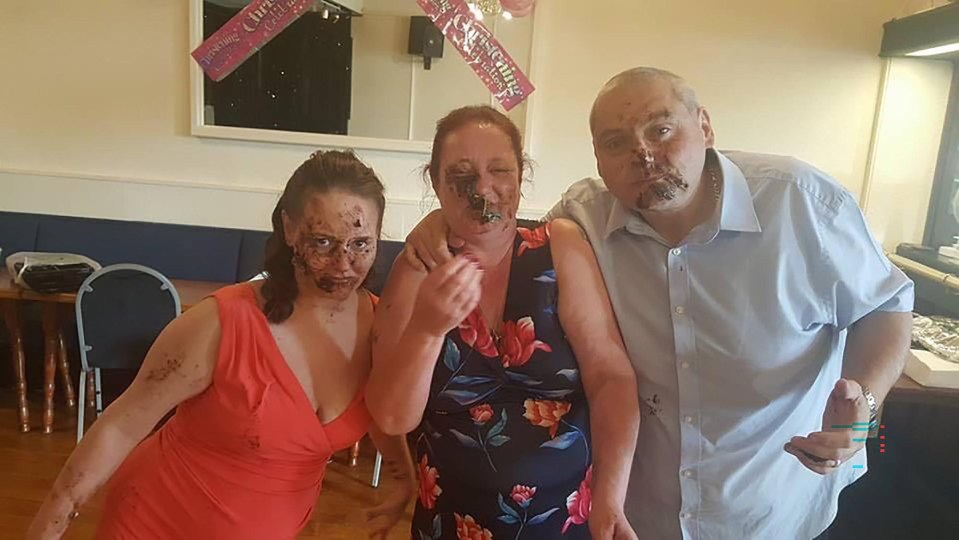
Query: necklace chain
[716,188]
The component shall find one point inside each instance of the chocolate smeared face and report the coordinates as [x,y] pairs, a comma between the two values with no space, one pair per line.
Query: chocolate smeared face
[657,183]
[650,147]
[462,181]
[333,242]
[480,178]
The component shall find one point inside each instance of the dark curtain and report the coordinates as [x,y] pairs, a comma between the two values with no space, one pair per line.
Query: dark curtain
[299,81]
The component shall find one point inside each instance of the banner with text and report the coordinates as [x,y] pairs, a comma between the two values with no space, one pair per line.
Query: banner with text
[484,54]
[244,34]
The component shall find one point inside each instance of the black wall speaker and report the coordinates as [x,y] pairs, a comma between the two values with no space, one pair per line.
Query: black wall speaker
[426,40]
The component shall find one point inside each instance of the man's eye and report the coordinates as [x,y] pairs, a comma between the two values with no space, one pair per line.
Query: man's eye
[616,144]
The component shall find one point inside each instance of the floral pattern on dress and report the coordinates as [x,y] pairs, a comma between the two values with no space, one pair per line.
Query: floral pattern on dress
[429,488]
[506,425]
[532,238]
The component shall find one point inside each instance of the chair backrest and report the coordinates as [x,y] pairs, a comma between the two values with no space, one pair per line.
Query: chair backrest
[121,310]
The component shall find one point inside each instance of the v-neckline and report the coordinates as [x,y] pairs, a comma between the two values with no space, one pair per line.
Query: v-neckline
[286,372]
[493,332]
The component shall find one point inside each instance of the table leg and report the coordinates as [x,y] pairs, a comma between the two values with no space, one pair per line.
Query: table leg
[50,331]
[355,454]
[19,361]
[91,403]
[65,371]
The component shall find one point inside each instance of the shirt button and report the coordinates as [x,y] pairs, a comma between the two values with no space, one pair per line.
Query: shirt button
[685,515]
[680,310]
[676,251]
[688,419]
[684,365]
[687,474]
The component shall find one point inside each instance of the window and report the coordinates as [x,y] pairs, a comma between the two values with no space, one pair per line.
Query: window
[942,221]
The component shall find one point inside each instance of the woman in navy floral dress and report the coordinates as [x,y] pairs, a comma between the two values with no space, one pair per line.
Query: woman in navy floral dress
[477,356]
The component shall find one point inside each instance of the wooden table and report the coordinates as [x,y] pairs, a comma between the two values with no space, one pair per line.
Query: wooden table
[907,390]
[191,293]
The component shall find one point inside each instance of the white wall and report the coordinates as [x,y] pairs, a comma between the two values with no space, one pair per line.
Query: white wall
[380,62]
[391,88]
[909,129]
[96,94]
[395,97]
[99,93]
[915,6]
[797,77]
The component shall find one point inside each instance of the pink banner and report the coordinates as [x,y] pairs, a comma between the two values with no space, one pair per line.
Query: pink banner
[246,33]
[480,49]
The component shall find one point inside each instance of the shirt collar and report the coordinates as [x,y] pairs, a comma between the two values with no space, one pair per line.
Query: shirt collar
[738,213]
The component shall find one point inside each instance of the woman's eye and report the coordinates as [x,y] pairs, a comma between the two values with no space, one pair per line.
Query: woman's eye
[321,243]
[360,244]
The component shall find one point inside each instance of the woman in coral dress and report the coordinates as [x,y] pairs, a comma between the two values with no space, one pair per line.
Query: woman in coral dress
[506,361]
[268,379]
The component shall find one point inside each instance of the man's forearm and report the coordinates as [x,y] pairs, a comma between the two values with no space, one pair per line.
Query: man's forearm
[876,350]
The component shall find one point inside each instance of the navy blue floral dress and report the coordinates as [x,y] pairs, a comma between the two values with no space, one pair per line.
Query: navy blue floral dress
[504,446]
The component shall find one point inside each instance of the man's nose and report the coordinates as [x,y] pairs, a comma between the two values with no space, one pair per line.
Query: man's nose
[644,154]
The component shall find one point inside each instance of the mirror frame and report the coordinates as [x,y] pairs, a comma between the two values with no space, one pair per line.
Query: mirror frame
[326,140]
[199,129]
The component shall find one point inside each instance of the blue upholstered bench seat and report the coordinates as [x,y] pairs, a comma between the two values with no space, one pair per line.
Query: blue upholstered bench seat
[178,251]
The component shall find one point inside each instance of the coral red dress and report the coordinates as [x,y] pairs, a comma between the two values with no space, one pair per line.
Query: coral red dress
[244,459]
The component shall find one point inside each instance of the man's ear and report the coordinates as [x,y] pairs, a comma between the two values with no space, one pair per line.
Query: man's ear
[707,126]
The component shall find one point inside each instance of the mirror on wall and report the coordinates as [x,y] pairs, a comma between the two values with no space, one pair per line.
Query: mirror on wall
[342,76]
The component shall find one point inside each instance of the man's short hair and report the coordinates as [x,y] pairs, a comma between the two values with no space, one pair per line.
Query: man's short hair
[642,75]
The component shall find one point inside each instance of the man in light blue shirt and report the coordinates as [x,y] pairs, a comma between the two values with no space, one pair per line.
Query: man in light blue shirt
[764,322]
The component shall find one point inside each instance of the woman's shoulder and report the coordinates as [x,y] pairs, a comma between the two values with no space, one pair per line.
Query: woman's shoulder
[196,327]
[565,234]
[564,228]
[239,291]
[237,300]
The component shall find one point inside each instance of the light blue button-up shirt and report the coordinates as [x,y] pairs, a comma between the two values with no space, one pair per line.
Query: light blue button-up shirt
[737,337]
